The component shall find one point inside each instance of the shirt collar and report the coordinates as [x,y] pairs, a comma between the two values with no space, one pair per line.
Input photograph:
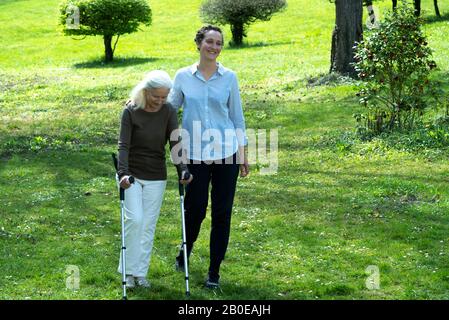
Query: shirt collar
[220,69]
[194,68]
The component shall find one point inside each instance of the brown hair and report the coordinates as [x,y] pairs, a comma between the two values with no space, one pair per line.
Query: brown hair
[201,34]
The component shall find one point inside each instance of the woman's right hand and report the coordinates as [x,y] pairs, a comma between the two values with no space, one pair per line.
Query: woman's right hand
[184,181]
[124,182]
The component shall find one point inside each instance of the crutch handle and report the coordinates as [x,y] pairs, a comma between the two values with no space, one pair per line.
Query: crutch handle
[187,176]
[122,191]
[181,186]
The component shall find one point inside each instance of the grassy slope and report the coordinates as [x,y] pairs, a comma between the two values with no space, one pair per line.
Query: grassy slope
[308,232]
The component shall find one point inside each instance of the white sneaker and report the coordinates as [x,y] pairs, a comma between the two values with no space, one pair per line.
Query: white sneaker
[130,282]
[142,282]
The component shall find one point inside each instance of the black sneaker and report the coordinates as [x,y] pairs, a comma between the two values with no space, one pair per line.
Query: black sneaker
[212,282]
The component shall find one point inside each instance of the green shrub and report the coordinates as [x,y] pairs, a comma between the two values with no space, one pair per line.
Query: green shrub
[107,18]
[239,14]
[394,62]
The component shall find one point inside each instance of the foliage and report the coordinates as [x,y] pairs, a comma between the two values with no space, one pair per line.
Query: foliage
[239,14]
[394,62]
[107,18]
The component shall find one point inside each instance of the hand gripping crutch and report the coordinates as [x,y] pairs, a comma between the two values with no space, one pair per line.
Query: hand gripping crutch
[183,222]
[122,218]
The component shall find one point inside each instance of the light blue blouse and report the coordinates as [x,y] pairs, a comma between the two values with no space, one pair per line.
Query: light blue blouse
[213,121]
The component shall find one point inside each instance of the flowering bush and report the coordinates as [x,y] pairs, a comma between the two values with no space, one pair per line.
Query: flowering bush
[394,62]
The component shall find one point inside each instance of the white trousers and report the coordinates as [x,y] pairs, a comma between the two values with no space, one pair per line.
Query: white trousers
[143,201]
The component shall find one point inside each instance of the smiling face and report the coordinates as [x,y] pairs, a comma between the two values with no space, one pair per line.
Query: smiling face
[211,45]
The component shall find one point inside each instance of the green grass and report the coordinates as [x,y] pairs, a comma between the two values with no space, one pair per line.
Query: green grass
[335,207]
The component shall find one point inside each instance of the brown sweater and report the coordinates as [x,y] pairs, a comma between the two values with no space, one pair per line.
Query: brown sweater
[141,145]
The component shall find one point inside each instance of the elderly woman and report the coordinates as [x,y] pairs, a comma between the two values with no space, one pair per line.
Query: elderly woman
[146,125]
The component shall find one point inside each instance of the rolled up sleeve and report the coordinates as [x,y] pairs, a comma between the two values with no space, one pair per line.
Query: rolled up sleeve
[236,112]
[176,97]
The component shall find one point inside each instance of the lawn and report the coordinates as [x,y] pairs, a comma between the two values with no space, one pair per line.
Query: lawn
[336,208]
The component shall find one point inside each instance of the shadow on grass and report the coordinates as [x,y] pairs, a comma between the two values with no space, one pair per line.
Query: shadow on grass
[260,44]
[435,19]
[117,63]
[329,79]
[228,290]
[312,114]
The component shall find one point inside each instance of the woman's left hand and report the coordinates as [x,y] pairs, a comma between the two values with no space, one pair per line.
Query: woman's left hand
[244,168]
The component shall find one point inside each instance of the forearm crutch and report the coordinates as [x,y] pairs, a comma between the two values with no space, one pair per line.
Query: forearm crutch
[122,218]
[184,241]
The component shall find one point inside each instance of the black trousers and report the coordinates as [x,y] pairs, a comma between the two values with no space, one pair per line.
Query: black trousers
[223,180]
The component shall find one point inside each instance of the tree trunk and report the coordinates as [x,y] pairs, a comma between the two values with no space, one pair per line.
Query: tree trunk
[437,10]
[108,52]
[417,4]
[395,4]
[348,30]
[238,32]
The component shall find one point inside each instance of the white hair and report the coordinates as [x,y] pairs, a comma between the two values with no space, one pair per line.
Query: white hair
[153,80]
